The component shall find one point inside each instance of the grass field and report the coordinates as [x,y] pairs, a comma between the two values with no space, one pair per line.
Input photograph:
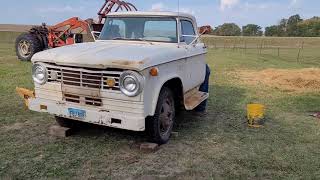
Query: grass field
[219,145]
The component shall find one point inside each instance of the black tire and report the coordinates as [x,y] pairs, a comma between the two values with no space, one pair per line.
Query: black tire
[27,45]
[155,125]
[64,122]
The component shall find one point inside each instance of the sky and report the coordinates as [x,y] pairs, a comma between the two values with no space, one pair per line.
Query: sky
[208,12]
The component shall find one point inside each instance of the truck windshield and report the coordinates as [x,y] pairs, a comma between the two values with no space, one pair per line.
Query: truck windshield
[140,29]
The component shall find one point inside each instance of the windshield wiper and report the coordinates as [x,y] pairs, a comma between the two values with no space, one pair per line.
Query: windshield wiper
[144,40]
[127,39]
[118,38]
[141,39]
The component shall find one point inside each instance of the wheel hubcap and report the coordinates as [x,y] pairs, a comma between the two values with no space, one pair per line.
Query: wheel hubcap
[166,116]
[24,48]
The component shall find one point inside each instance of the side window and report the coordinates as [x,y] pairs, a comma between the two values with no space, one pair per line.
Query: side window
[188,33]
[161,30]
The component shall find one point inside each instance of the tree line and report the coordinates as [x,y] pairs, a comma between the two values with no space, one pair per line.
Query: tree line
[294,26]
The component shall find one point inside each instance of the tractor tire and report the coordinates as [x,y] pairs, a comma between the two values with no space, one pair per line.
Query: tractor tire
[27,45]
[159,127]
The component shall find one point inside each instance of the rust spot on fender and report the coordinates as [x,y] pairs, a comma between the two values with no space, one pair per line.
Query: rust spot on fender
[128,63]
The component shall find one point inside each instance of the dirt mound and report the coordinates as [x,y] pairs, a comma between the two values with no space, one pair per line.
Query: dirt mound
[300,80]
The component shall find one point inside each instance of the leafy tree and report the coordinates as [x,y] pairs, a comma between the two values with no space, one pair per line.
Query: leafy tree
[282,27]
[272,31]
[310,27]
[252,30]
[288,27]
[292,25]
[228,29]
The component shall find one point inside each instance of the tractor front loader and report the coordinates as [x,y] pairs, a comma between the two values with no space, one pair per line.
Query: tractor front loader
[68,32]
[43,37]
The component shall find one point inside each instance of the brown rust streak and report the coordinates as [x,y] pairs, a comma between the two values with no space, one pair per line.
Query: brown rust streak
[128,63]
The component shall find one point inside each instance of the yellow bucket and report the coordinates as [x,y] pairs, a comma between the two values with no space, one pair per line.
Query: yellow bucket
[255,113]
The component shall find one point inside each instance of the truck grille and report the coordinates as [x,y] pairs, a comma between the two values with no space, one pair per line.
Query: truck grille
[95,79]
[83,100]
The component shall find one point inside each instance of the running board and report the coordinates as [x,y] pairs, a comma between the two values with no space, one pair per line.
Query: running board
[193,98]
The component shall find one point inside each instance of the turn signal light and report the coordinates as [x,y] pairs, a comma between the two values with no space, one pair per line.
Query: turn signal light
[111,82]
[154,71]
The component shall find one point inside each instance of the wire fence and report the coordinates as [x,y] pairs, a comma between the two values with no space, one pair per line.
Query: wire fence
[286,48]
[298,49]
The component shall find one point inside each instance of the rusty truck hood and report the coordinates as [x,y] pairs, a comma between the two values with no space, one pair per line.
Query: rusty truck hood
[111,54]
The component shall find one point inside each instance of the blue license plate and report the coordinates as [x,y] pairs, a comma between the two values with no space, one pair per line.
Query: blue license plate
[77,113]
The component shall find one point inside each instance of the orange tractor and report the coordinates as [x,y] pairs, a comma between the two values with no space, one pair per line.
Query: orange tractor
[68,32]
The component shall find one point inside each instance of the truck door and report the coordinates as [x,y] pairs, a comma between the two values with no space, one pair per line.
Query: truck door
[195,65]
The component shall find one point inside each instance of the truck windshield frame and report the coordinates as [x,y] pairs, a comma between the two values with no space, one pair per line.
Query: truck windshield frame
[153,29]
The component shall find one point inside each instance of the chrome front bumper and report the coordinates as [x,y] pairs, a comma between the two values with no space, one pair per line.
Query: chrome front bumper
[104,117]
[115,113]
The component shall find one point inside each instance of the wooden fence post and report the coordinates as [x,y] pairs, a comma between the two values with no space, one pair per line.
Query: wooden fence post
[245,46]
[260,52]
[299,52]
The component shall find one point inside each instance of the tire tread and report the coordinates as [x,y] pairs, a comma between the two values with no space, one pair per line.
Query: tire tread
[36,45]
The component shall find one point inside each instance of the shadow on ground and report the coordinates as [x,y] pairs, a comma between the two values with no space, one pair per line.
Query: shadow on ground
[224,110]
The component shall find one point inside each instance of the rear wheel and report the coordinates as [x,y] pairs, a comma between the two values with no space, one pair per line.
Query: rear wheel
[159,126]
[27,45]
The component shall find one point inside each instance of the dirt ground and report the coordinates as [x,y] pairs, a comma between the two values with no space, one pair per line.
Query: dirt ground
[300,80]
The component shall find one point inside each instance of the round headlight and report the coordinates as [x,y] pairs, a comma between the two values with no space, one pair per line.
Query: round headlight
[39,74]
[131,83]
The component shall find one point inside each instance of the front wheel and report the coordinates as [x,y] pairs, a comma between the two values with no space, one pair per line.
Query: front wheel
[159,126]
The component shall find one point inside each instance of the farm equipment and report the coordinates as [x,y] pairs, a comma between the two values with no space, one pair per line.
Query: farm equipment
[65,33]
[205,29]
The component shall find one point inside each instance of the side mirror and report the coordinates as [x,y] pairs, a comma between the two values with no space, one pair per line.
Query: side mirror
[196,37]
[95,34]
[189,39]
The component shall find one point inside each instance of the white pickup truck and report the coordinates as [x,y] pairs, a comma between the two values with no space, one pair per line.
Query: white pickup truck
[143,67]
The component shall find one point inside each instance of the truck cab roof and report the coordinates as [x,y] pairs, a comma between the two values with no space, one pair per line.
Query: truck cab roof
[154,14]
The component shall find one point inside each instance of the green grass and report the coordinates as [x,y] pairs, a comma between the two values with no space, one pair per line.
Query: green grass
[8,37]
[216,146]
